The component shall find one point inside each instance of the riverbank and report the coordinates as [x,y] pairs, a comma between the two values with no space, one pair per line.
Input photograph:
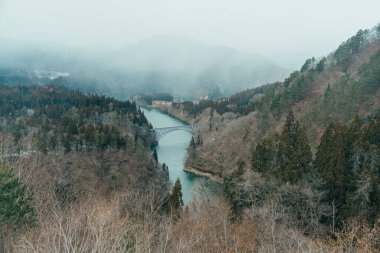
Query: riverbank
[190,170]
[207,175]
[177,113]
[171,150]
[165,110]
[168,110]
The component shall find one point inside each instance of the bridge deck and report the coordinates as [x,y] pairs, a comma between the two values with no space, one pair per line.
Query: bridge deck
[161,132]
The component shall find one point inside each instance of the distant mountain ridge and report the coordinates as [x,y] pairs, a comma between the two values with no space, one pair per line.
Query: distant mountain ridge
[333,89]
[182,64]
[164,63]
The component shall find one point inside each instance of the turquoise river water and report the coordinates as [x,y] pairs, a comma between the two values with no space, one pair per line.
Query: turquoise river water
[171,150]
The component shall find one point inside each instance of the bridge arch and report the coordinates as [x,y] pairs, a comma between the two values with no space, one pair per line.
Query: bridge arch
[159,133]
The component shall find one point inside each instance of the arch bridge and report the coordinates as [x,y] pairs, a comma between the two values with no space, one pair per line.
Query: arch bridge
[159,133]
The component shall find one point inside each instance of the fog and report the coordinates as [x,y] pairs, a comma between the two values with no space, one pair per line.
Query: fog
[287,32]
[187,48]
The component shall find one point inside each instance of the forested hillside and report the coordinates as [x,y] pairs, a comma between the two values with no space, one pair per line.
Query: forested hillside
[331,89]
[299,161]
[60,147]
[305,150]
[53,123]
[174,64]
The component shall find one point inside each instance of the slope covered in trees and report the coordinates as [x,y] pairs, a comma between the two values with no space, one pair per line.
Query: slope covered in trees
[54,118]
[316,169]
[331,89]
[60,148]
[301,170]
[346,167]
[346,77]
[175,64]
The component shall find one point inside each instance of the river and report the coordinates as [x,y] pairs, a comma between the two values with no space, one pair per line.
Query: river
[171,150]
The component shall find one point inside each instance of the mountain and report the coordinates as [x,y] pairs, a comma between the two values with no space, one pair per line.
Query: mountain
[165,63]
[334,88]
[37,55]
[299,161]
[179,65]
[302,156]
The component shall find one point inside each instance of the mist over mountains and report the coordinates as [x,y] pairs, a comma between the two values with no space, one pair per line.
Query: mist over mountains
[164,63]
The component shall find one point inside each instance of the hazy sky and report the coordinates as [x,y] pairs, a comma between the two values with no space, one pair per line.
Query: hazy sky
[286,31]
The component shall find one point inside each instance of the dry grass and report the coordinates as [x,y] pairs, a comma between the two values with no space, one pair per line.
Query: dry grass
[133,222]
[107,226]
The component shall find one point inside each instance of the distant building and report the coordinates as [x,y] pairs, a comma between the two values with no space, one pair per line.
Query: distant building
[157,103]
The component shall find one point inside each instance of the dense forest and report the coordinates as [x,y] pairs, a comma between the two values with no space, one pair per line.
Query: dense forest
[59,147]
[299,162]
[54,117]
[300,155]
[148,99]
[345,171]
[277,98]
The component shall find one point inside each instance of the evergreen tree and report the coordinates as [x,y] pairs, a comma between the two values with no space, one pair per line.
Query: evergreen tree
[354,131]
[155,157]
[332,165]
[175,201]
[263,157]
[321,65]
[294,156]
[364,200]
[372,133]
[364,195]
[16,208]
[199,140]
[348,164]
[235,195]
[191,153]
[192,143]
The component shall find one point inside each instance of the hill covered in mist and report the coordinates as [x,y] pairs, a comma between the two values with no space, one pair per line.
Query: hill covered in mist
[334,89]
[311,142]
[164,63]
[187,67]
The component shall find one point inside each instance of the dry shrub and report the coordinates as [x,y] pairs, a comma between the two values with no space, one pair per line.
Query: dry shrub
[134,223]
[355,237]
[205,227]
[93,226]
[108,226]
[96,225]
[130,221]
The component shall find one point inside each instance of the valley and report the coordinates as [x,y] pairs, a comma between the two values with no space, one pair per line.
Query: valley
[171,151]
[173,144]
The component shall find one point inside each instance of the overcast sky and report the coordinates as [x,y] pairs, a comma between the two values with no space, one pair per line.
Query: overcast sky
[287,32]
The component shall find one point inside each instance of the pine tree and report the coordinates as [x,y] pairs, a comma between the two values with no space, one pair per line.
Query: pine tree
[235,195]
[354,131]
[331,156]
[372,132]
[191,152]
[175,201]
[263,157]
[155,157]
[199,140]
[294,156]
[333,168]
[192,143]
[16,208]
[364,194]
[364,200]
